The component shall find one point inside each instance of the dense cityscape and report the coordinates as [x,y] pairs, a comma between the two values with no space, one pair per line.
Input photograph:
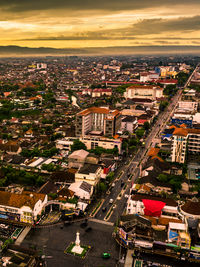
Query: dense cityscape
[99,161]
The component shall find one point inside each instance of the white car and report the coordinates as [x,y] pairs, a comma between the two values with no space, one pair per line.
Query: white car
[111,201]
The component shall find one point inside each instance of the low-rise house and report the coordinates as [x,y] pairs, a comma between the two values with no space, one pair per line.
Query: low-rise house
[108,165]
[90,173]
[129,123]
[24,207]
[177,234]
[191,209]
[64,177]
[82,190]
[77,158]
[11,147]
[29,134]
[137,205]
[155,185]
[65,193]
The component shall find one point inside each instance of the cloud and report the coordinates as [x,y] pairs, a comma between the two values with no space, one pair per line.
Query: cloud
[138,30]
[112,5]
[157,26]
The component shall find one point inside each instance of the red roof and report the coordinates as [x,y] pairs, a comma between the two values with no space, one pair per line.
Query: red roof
[168,81]
[152,207]
[141,121]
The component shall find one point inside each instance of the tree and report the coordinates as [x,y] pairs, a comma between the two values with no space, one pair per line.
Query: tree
[163,178]
[77,144]
[163,105]
[110,177]
[102,187]
[146,126]
[139,133]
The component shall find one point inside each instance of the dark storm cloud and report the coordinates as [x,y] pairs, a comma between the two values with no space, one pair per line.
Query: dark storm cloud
[30,5]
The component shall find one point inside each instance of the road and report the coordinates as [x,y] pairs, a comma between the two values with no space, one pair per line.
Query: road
[137,162]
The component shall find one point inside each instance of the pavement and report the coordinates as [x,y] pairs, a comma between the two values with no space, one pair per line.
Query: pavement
[53,241]
[22,236]
[51,218]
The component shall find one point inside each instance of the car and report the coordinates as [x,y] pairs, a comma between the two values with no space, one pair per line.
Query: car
[111,201]
[104,209]
[106,255]
[83,225]
[89,229]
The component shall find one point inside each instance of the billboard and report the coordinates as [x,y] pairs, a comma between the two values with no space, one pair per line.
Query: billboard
[181,121]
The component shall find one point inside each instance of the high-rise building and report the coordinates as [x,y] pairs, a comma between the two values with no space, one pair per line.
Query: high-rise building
[98,121]
[184,140]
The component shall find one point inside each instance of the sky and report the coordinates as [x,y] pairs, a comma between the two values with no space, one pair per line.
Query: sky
[99,23]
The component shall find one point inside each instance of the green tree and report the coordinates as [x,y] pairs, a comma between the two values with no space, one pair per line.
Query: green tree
[146,126]
[139,133]
[77,144]
[163,178]
[102,187]
[163,105]
[110,177]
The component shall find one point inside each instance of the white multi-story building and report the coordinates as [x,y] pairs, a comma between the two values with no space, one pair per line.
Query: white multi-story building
[144,91]
[188,105]
[91,142]
[183,138]
[90,173]
[98,121]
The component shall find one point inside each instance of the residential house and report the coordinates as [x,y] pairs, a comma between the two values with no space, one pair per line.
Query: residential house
[11,147]
[82,190]
[77,158]
[90,173]
[129,123]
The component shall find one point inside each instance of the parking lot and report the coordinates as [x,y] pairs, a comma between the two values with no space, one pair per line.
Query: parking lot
[53,241]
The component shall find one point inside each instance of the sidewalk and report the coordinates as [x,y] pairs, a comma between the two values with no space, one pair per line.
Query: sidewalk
[24,233]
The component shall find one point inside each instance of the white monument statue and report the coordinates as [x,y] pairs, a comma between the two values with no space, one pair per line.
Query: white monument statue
[77,248]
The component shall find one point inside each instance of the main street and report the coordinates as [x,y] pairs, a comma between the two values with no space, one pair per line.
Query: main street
[136,163]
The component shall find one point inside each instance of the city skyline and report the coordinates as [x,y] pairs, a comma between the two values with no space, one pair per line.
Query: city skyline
[84,24]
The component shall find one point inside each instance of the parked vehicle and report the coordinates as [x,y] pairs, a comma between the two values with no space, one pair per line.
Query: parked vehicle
[106,255]
[111,201]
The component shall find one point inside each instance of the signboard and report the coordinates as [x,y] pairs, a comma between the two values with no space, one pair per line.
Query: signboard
[122,234]
[181,121]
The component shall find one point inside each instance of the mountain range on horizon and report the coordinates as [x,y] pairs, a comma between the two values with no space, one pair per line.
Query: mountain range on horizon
[13,50]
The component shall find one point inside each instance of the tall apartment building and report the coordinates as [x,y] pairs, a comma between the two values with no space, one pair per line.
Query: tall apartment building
[98,121]
[184,139]
[144,91]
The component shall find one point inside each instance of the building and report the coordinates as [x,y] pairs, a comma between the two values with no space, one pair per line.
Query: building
[98,92]
[129,123]
[188,105]
[24,207]
[137,205]
[98,121]
[107,143]
[144,91]
[91,142]
[82,190]
[90,173]
[179,141]
[77,158]
[181,138]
